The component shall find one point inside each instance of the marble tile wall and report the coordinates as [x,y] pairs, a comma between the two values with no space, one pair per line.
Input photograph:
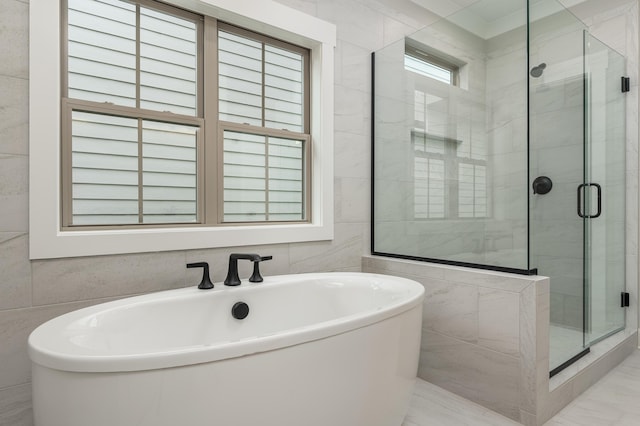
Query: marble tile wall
[480,336]
[15,269]
[33,292]
[485,337]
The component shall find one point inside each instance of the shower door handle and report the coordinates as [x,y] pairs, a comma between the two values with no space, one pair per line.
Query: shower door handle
[579,198]
[580,190]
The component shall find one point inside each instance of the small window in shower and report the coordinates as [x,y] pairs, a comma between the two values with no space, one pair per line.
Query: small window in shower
[421,62]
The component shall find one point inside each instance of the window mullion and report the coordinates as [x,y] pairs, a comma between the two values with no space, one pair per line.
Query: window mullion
[140,178]
[266,138]
[213,158]
[263,85]
[138,56]
[67,161]
[140,150]
[65,51]
[266,176]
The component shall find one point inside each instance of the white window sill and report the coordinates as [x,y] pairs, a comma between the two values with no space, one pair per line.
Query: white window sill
[92,243]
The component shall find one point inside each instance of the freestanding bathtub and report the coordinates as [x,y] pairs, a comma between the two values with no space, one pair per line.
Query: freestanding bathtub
[330,349]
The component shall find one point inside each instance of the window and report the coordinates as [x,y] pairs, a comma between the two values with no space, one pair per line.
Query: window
[134,120]
[449,160]
[263,111]
[148,163]
[417,59]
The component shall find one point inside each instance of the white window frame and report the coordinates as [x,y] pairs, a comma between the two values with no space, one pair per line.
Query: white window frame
[47,239]
[428,60]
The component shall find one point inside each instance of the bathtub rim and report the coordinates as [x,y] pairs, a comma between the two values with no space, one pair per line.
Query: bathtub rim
[198,354]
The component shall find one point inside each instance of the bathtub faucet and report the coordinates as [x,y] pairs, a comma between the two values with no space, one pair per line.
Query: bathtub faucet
[206,283]
[232,274]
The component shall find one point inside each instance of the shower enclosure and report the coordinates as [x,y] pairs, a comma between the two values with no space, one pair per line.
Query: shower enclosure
[499,143]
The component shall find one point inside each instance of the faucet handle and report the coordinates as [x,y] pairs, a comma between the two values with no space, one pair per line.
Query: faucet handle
[206,283]
[256,277]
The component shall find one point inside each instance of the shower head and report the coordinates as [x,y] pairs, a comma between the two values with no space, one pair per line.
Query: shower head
[537,71]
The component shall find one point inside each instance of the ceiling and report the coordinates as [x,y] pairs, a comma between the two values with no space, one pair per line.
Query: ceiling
[489,18]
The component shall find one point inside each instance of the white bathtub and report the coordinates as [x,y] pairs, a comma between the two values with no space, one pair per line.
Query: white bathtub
[334,349]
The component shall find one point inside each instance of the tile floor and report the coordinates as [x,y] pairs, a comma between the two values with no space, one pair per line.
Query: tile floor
[564,344]
[434,406]
[613,401]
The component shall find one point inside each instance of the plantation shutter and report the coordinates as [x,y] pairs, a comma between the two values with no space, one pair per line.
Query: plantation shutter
[261,109]
[133,120]
[127,166]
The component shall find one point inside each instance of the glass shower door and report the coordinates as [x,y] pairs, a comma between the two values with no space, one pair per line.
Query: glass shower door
[603,190]
[577,140]
[556,147]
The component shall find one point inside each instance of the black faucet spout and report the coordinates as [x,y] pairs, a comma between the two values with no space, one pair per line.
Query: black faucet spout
[248,256]
[232,274]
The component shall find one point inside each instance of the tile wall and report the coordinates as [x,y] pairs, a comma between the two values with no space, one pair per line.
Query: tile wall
[485,337]
[483,334]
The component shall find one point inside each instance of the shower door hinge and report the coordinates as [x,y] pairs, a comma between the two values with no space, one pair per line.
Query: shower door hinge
[625,84]
[624,300]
